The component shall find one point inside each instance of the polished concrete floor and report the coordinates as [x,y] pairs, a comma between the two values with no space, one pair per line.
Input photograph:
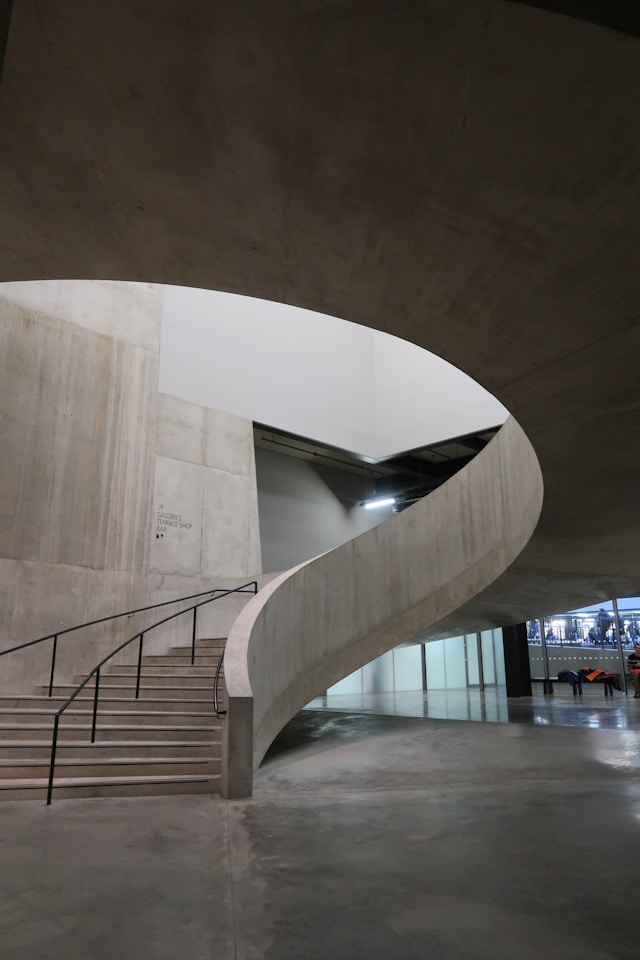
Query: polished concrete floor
[592,709]
[368,837]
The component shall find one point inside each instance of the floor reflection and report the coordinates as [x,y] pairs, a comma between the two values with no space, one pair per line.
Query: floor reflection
[593,710]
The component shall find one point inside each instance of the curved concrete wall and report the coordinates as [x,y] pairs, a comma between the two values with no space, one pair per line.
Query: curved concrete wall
[317,623]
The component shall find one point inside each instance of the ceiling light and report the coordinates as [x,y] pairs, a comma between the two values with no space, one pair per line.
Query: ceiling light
[371,504]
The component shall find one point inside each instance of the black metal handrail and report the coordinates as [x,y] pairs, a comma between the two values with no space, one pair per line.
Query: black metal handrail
[216,682]
[139,635]
[92,623]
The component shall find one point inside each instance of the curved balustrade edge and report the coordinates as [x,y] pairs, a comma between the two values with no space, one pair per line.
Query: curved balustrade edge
[318,622]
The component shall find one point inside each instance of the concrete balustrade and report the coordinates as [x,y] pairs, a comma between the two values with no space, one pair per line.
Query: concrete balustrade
[320,621]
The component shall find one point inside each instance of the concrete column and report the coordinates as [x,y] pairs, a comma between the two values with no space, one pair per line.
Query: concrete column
[516,660]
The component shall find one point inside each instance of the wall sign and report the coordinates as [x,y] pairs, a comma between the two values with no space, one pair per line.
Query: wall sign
[165,521]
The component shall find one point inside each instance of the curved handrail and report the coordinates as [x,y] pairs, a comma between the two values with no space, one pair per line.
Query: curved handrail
[216,701]
[92,623]
[139,635]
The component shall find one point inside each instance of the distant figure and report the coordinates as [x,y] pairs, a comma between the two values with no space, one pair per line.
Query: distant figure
[634,668]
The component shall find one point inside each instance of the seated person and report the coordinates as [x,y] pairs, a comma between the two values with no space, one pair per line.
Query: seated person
[633,664]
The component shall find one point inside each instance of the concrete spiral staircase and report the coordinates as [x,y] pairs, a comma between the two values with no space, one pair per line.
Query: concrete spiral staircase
[166,742]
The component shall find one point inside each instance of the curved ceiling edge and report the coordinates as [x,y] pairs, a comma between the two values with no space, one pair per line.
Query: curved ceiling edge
[620,15]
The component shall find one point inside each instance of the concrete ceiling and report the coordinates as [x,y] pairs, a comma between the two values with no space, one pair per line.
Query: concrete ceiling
[462,174]
[408,476]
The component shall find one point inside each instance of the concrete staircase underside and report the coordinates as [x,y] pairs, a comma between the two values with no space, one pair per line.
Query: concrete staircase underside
[167,741]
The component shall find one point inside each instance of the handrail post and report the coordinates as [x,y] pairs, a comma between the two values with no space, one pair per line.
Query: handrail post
[139,666]
[95,706]
[193,637]
[52,764]
[53,663]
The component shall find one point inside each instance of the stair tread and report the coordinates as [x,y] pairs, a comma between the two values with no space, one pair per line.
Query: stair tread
[82,700]
[39,782]
[104,726]
[36,711]
[166,741]
[101,761]
[106,744]
[147,673]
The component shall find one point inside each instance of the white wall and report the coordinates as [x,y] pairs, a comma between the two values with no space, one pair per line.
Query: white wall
[420,398]
[306,510]
[320,377]
[289,368]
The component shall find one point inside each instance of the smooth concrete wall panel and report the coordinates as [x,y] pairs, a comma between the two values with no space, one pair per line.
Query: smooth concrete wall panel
[129,312]
[204,529]
[230,546]
[205,519]
[39,598]
[176,544]
[325,618]
[196,434]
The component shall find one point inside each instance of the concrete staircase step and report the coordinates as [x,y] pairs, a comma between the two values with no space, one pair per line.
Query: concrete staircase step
[34,731]
[126,691]
[175,660]
[183,677]
[81,749]
[72,715]
[167,741]
[107,703]
[140,786]
[160,670]
[208,650]
[26,768]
